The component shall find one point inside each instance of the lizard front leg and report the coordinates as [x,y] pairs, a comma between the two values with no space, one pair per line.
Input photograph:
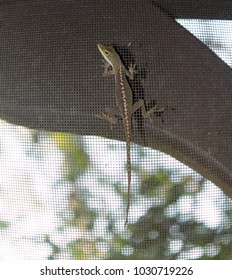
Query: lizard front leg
[131,71]
[106,71]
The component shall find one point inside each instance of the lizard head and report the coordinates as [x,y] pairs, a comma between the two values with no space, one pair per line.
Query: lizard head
[109,54]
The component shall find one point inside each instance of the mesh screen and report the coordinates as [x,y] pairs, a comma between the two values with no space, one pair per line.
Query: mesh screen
[63,183]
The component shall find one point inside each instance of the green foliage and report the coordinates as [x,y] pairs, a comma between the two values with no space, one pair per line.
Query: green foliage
[173,234]
[77,159]
[4,224]
[163,216]
[161,233]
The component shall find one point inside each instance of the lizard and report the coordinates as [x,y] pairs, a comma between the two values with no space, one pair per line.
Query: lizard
[124,101]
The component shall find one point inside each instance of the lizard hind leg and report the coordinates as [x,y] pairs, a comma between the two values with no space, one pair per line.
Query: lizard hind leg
[110,116]
[146,114]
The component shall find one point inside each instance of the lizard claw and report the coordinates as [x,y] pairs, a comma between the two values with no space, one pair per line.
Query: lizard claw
[132,71]
[132,68]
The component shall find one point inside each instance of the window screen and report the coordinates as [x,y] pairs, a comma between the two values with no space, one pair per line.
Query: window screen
[64,176]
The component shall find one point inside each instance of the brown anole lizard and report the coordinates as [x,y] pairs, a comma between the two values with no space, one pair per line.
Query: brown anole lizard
[124,101]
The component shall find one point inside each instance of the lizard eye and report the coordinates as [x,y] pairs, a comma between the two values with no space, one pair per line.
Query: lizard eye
[106,52]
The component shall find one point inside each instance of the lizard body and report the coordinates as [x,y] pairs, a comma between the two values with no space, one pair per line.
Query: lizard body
[124,101]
